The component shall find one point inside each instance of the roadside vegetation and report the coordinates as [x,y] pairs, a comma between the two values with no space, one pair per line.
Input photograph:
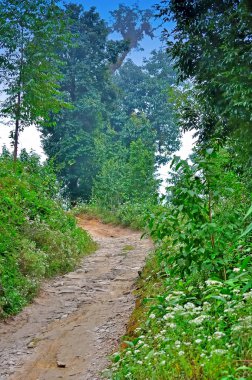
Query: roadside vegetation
[193,315]
[38,238]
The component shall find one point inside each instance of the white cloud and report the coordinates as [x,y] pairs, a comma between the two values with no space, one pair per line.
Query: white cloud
[186,149]
[29,139]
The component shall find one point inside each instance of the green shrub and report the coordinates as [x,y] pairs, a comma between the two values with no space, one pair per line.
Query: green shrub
[37,238]
[197,294]
[134,215]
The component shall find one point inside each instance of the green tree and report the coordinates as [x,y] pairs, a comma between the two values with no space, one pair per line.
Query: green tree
[144,90]
[29,66]
[86,82]
[126,176]
[211,46]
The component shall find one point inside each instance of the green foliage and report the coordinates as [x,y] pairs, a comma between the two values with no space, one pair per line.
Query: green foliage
[37,238]
[208,202]
[128,214]
[190,332]
[87,84]
[195,309]
[143,90]
[132,106]
[211,47]
[127,180]
[125,190]
[30,32]
[198,291]
[249,227]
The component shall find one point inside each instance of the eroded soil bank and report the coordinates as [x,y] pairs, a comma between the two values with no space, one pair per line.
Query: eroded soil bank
[77,319]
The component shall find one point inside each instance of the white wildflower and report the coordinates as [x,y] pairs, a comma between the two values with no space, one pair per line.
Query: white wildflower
[228,310]
[248,295]
[206,306]
[239,305]
[169,297]
[236,270]
[236,291]
[152,316]
[219,352]
[187,343]
[181,353]
[213,283]
[246,320]
[169,308]
[198,341]
[199,320]
[172,325]
[178,308]
[219,334]
[168,316]
[236,328]
[179,293]
[189,305]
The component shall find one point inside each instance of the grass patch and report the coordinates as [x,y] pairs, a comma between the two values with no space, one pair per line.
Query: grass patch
[37,237]
[127,214]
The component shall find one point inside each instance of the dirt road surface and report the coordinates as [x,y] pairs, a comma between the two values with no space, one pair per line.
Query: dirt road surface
[77,319]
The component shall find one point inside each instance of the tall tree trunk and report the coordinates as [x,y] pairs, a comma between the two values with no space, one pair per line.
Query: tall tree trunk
[17,127]
[18,105]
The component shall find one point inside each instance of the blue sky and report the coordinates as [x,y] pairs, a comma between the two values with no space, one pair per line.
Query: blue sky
[105,6]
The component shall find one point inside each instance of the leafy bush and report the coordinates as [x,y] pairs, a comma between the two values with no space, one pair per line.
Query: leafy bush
[127,178]
[196,298]
[37,238]
[134,215]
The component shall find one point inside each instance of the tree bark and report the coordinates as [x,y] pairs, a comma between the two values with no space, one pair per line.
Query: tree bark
[17,125]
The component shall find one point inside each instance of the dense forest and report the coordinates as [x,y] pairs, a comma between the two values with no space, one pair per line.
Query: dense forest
[107,125]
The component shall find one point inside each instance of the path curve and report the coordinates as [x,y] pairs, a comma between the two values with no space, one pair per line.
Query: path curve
[77,320]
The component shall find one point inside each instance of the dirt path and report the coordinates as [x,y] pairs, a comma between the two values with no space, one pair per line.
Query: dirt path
[77,319]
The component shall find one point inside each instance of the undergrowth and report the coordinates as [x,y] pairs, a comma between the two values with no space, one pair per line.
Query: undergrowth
[37,238]
[187,331]
[193,319]
[127,214]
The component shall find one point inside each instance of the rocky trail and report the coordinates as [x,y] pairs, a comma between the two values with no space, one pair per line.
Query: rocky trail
[77,319]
